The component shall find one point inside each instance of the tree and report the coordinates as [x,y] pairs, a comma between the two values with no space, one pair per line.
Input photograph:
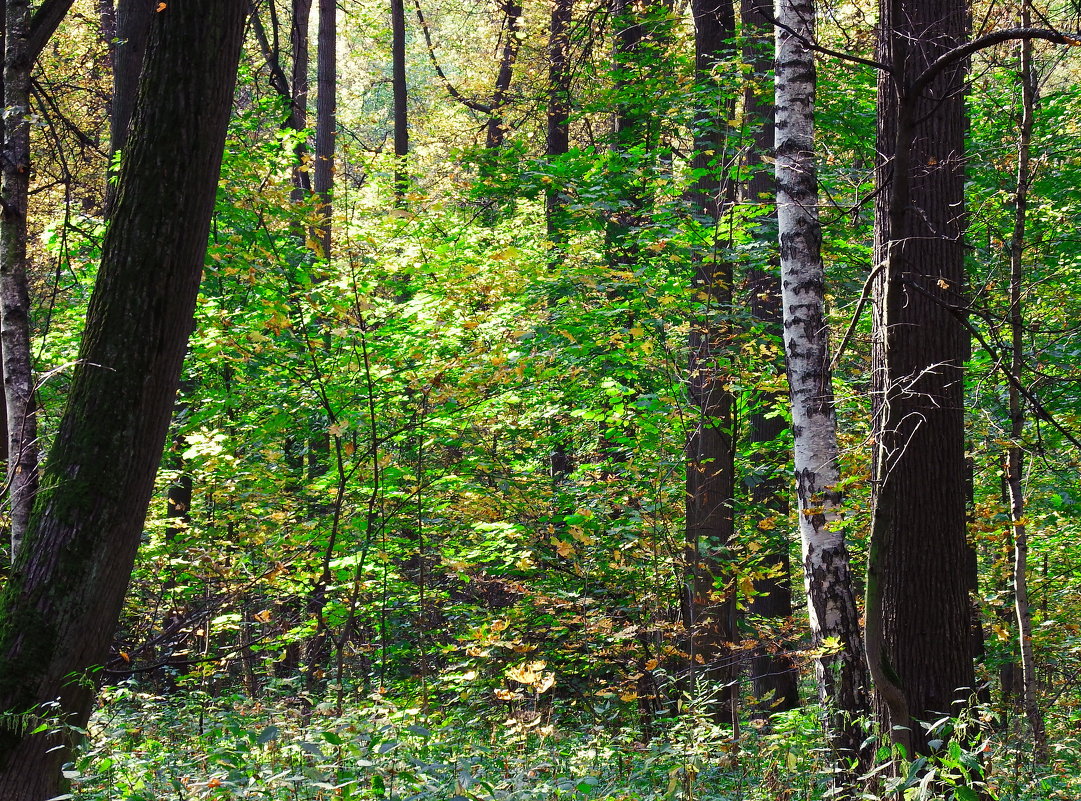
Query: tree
[774,675]
[918,614]
[58,609]
[25,34]
[840,670]
[326,116]
[711,442]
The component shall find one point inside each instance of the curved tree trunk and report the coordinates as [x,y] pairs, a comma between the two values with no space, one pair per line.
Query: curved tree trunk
[59,609]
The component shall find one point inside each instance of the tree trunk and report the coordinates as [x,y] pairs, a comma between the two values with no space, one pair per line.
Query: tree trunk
[557,140]
[919,641]
[1015,456]
[326,121]
[773,674]
[59,609]
[401,98]
[133,18]
[511,43]
[25,34]
[711,444]
[841,672]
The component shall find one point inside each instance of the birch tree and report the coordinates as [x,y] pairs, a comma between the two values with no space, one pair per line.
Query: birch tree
[840,669]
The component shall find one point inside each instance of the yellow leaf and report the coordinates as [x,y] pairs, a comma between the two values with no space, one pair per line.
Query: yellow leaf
[629,696]
[161,7]
[564,549]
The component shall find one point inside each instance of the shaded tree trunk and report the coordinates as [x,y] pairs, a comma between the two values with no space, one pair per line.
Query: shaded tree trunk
[401,99]
[711,607]
[918,634]
[326,121]
[841,672]
[511,43]
[59,609]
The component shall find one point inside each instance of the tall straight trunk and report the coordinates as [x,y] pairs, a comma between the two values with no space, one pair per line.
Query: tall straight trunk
[557,130]
[773,673]
[298,94]
[25,34]
[59,609]
[511,43]
[133,19]
[711,443]
[326,121]
[918,632]
[1015,456]
[831,604]
[401,97]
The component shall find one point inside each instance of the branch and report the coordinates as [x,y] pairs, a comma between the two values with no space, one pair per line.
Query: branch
[817,48]
[278,80]
[959,314]
[483,108]
[963,51]
[43,25]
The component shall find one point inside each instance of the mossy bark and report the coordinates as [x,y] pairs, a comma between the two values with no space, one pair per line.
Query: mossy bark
[58,611]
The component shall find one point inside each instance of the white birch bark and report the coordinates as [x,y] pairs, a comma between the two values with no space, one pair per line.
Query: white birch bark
[831,604]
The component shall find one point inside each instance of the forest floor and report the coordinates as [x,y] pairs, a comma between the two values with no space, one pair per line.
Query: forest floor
[188,745]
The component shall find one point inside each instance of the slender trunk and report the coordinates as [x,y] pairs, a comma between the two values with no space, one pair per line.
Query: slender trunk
[511,43]
[298,95]
[1015,456]
[59,609]
[401,97]
[557,140]
[22,467]
[831,604]
[918,634]
[326,122]
[711,444]
[773,673]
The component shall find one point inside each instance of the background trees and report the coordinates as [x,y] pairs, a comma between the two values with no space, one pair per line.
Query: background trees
[446,464]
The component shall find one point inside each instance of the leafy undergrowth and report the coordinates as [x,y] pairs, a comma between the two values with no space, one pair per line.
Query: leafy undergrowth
[187,746]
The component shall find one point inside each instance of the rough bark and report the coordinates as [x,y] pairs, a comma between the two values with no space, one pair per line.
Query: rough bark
[59,609]
[918,619]
[711,610]
[773,674]
[840,670]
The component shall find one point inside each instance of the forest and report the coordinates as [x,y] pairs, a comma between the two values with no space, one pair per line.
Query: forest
[522,400]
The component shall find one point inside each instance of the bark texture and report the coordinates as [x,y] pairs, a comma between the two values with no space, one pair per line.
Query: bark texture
[58,611]
[773,674]
[710,604]
[841,670]
[401,98]
[25,34]
[918,635]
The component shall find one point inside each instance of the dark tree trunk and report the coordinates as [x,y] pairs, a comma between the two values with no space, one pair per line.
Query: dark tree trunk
[326,121]
[919,643]
[133,19]
[773,673]
[511,43]
[559,107]
[711,444]
[401,101]
[59,609]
